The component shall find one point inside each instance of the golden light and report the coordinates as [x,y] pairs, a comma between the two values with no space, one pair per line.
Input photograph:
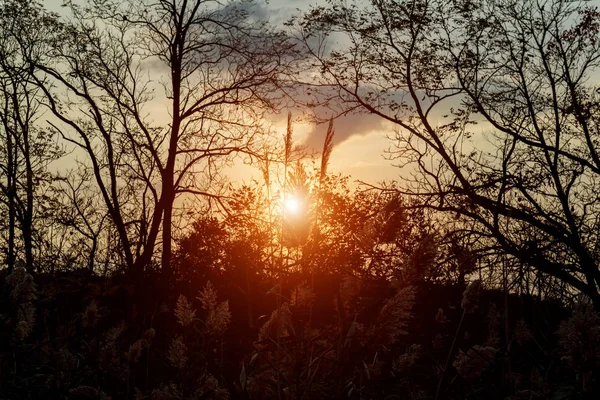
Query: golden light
[292,205]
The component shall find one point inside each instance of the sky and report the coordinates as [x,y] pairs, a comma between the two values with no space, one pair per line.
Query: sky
[360,141]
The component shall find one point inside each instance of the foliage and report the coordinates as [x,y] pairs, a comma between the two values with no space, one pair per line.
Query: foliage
[494,104]
[369,341]
[476,276]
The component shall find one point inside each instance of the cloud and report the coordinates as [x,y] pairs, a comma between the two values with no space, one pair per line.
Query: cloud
[276,12]
[345,127]
[281,11]
[258,11]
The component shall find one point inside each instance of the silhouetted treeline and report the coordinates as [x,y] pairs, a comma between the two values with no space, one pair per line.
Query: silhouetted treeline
[95,337]
[233,324]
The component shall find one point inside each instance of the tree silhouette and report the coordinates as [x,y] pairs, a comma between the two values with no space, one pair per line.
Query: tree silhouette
[495,114]
[114,66]
[26,148]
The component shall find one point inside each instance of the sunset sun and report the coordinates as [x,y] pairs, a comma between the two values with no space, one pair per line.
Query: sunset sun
[292,205]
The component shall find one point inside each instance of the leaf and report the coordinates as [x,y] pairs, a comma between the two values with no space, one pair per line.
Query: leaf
[243,375]
[351,386]
[351,333]
[254,357]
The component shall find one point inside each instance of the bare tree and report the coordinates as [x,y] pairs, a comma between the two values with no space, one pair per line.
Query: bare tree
[496,115]
[26,149]
[82,211]
[114,69]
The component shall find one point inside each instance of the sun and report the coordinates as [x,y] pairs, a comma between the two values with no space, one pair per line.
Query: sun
[292,205]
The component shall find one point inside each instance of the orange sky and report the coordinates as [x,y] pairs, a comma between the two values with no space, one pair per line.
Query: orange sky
[360,140]
[358,153]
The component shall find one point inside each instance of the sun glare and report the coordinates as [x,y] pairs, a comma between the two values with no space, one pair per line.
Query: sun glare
[292,205]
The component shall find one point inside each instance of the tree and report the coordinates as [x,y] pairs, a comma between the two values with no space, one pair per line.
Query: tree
[116,64]
[26,149]
[80,211]
[526,180]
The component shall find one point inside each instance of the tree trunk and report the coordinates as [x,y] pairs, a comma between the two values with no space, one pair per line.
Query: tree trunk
[93,254]
[167,234]
[11,255]
[168,193]
[27,225]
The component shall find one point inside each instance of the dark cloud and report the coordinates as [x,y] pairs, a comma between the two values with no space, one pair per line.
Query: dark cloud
[280,11]
[276,12]
[258,11]
[345,127]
